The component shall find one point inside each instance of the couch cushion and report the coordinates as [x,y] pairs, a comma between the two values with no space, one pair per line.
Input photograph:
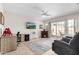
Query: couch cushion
[66,39]
[74,43]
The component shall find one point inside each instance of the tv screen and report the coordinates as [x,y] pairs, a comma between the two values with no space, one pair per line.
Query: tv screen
[30,25]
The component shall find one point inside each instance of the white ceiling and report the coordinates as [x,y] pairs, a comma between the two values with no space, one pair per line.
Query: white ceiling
[33,10]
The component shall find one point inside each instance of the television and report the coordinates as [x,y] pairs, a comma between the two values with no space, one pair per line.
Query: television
[30,25]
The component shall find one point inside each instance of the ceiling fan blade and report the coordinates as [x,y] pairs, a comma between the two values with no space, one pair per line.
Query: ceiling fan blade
[48,15]
[46,11]
[42,11]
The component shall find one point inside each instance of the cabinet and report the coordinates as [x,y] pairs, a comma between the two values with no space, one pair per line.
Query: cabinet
[8,44]
[26,37]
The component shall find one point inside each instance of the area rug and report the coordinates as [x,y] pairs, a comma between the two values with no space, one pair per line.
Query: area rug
[40,46]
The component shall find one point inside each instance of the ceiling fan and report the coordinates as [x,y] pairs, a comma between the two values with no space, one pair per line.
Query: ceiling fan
[43,12]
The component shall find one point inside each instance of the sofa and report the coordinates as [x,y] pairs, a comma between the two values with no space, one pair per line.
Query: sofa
[67,45]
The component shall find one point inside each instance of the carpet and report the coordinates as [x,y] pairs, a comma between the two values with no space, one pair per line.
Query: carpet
[40,46]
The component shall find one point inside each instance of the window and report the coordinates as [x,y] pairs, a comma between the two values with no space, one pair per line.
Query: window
[71,27]
[1,29]
[59,28]
[46,26]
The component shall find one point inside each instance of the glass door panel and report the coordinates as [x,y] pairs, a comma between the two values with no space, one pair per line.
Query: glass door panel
[53,28]
[60,28]
[71,27]
[57,28]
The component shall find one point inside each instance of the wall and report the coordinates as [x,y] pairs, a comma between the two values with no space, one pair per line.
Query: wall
[17,23]
[1,7]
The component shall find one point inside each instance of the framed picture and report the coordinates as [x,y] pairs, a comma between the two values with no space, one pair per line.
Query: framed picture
[30,25]
[41,26]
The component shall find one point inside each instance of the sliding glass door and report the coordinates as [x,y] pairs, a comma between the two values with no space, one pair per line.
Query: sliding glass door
[54,28]
[60,28]
[57,28]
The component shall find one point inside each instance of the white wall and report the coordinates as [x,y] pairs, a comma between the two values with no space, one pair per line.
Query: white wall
[16,23]
[1,7]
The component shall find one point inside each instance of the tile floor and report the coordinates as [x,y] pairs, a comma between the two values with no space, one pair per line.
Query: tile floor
[22,49]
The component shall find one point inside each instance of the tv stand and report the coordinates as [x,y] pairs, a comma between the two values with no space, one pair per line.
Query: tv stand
[26,37]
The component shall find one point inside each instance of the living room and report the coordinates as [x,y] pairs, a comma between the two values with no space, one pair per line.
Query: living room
[41,26]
